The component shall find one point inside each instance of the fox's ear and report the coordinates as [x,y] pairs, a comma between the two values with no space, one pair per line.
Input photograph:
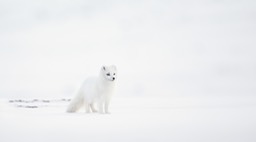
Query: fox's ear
[114,67]
[104,68]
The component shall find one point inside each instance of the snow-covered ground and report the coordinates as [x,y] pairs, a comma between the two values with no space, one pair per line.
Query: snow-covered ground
[149,119]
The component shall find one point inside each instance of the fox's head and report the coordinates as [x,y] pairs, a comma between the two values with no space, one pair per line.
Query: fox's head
[109,72]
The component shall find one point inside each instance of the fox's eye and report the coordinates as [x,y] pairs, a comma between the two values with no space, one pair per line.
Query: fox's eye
[108,74]
[114,74]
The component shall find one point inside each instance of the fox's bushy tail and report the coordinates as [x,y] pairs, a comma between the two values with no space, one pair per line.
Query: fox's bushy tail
[75,104]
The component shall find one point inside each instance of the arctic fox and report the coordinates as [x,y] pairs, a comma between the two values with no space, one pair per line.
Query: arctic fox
[95,91]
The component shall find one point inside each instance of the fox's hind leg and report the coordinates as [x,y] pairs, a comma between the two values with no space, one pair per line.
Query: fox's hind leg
[92,107]
[87,107]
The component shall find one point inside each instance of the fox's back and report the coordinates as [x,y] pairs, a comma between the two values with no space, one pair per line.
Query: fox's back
[89,89]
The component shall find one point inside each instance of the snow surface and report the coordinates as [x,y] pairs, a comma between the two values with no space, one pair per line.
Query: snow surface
[149,119]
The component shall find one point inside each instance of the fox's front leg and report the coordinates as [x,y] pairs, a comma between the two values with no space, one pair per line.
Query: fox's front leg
[100,107]
[106,106]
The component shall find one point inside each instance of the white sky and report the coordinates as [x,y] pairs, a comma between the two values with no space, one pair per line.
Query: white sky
[163,48]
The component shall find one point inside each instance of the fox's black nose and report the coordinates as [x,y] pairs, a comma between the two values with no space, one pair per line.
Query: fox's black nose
[114,78]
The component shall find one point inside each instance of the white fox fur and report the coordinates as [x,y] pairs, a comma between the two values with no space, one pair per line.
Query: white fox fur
[95,91]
